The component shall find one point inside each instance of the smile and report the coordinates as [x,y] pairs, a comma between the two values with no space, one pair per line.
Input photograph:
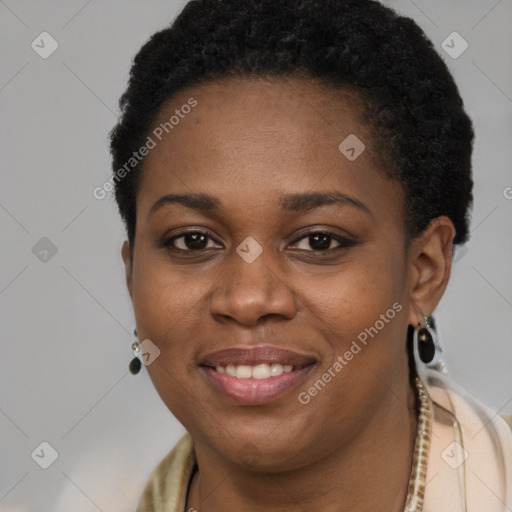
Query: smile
[259,371]
[257,375]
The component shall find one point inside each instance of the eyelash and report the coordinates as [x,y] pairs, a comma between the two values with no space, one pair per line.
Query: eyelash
[344,242]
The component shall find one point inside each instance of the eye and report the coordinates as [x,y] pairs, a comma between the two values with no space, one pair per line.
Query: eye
[189,241]
[322,240]
[313,241]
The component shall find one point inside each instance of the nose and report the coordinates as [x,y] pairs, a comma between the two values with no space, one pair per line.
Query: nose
[248,293]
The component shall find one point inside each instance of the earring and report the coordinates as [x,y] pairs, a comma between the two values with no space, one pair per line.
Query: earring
[424,340]
[135,363]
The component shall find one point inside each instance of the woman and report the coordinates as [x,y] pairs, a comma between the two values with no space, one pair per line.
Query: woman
[293,177]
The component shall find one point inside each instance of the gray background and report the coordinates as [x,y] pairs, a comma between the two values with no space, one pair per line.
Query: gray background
[67,321]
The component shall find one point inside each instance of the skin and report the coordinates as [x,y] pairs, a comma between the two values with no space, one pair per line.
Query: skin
[247,142]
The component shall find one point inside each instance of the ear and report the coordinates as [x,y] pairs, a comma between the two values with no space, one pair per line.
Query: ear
[125,253]
[429,264]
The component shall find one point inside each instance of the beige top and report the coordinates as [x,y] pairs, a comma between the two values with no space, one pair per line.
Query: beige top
[469,464]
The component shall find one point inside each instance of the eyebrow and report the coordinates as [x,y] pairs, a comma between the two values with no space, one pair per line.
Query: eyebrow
[298,202]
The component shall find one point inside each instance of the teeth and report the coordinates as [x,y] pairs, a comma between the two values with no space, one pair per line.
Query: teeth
[259,371]
[262,371]
[276,370]
[243,371]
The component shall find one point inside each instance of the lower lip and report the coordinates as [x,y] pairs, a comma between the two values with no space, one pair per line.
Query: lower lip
[256,391]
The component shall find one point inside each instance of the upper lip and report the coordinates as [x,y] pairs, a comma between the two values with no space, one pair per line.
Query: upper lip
[256,355]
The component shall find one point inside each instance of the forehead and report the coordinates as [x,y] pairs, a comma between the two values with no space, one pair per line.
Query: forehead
[296,110]
[262,137]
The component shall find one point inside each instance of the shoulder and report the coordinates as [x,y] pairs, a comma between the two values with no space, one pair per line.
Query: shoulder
[474,416]
[469,435]
[167,486]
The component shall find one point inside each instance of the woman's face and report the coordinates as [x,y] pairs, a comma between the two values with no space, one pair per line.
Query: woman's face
[298,252]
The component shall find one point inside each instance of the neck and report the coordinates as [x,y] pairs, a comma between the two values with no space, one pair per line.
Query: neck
[372,473]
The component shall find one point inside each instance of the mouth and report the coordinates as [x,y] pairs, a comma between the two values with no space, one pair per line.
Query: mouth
[256,375]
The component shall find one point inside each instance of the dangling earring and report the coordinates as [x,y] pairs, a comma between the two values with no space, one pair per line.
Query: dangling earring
[424,340]
[135,363]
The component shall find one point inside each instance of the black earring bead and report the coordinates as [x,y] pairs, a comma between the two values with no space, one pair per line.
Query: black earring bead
[426,346]
[135,366]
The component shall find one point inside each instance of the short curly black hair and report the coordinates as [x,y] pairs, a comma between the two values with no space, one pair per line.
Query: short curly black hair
[412,105]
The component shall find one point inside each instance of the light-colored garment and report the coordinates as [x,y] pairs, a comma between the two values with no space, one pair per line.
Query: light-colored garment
[469,465]
[470,460]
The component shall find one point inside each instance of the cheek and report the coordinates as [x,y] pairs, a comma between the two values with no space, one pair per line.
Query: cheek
[354,297]
[162,295]
[169,310]
[361,313]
